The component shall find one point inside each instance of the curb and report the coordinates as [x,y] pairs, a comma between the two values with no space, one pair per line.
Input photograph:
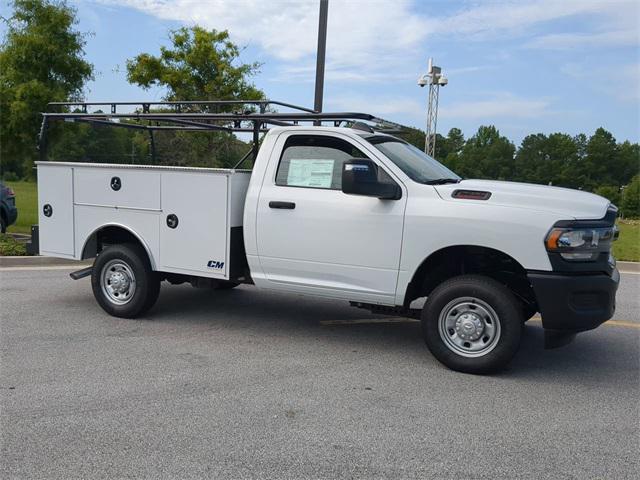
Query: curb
[37,261]
[626,267]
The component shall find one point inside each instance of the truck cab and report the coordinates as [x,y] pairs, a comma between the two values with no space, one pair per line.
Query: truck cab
[351,213]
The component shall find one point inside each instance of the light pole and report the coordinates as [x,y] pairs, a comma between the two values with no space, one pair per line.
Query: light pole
[434,79]
[322,47]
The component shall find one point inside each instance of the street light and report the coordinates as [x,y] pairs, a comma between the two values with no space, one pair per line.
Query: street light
[434,79]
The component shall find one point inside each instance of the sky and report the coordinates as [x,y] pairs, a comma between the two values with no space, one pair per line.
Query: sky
[535,66]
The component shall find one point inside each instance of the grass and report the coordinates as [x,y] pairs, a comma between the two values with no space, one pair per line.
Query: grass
[9,247]
[626,248]
[27,203]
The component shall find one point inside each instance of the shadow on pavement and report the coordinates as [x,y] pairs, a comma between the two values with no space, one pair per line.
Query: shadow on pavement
[593,356]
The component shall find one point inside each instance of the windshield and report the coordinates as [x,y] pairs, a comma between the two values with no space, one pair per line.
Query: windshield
[419,166]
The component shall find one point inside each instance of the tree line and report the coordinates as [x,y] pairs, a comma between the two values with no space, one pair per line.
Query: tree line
[596,164]
[42,60]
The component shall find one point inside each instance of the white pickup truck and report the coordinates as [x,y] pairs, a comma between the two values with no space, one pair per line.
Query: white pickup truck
[346,212]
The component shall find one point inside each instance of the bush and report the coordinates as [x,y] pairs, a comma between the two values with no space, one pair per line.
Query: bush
[609,192]
[630,204]
[9,247]
[10,177]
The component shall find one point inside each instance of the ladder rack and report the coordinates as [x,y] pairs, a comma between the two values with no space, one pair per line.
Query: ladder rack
[248,116]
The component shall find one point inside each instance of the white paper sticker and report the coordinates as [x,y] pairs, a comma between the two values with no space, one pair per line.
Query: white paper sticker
[304,172]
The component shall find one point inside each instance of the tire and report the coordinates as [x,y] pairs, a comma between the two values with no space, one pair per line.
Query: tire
[472,324]
[3,224]
[123,282]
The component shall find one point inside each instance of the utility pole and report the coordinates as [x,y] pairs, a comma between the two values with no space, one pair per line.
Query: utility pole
[322,48]
[434,79]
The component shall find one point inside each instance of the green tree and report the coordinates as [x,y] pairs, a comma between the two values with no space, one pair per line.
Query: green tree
[546,159]
[414,136]
[487,155]
[628,162]
[454,144]
[598,167]
[630,204]
[455,141]
[201,65]
[609,192]
[41,60]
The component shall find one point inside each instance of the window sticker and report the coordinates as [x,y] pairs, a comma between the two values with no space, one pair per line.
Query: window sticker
[304,172]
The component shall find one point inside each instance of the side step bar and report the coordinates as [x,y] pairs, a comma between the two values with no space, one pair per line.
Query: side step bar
[85,272]
[388,310]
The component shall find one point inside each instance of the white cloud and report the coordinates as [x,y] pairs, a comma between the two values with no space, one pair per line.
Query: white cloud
[287,29]
[378,37]
[499,106]
[377,106]
[568,41]
[503,16]
[621,82]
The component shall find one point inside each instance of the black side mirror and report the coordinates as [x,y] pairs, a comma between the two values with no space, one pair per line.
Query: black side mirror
[360,177]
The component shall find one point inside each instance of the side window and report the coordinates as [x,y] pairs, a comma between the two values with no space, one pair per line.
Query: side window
[314,161]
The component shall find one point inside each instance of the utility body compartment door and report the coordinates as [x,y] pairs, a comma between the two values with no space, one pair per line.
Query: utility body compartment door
[193,224]
[55,210]
[117,187]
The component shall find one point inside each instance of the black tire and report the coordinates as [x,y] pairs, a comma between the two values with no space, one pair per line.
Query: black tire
[3,224]
[470,302]
[133,260]
[223,285]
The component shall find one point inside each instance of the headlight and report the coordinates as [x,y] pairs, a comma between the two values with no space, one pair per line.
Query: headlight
[581,244]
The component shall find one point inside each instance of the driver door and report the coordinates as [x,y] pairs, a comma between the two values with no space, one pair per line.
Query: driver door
[314,238]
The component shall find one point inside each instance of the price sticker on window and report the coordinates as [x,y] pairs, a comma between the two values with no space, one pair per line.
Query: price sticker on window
[304,172]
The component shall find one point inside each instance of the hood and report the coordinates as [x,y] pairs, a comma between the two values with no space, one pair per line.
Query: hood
[569,203]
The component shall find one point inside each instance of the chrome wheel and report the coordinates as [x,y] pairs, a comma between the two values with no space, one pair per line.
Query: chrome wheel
[118,282]
[469,327]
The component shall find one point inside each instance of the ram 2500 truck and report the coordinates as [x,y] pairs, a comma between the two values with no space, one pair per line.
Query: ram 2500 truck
[347,212]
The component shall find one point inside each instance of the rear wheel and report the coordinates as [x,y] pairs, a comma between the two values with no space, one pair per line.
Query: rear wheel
[472,324]
[123,282]
[3,224]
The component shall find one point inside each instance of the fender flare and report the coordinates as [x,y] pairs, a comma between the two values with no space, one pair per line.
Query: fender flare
[126,229]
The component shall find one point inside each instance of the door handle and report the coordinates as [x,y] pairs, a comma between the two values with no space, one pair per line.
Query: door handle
[283,205]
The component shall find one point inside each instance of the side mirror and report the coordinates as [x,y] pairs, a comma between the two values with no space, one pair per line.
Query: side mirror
[360,177]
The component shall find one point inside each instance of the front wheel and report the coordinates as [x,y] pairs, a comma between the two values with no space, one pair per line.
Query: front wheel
[123,282]
[472,324]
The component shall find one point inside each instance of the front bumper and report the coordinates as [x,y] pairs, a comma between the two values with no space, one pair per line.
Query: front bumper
[574,303]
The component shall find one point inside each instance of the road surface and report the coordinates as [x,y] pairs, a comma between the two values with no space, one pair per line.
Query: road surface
[251,384]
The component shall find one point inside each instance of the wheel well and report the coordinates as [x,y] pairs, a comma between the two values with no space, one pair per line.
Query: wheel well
[110,235]
[465,259]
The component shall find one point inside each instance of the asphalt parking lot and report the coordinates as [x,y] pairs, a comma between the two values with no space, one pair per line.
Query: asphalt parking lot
[251,384]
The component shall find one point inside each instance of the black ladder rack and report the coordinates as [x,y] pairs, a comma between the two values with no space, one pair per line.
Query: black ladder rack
[250,116]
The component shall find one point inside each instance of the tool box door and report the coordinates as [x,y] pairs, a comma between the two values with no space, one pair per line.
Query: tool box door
[55,210]
[193,225]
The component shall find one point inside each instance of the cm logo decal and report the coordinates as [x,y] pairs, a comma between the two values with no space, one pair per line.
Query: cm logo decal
[215,264]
